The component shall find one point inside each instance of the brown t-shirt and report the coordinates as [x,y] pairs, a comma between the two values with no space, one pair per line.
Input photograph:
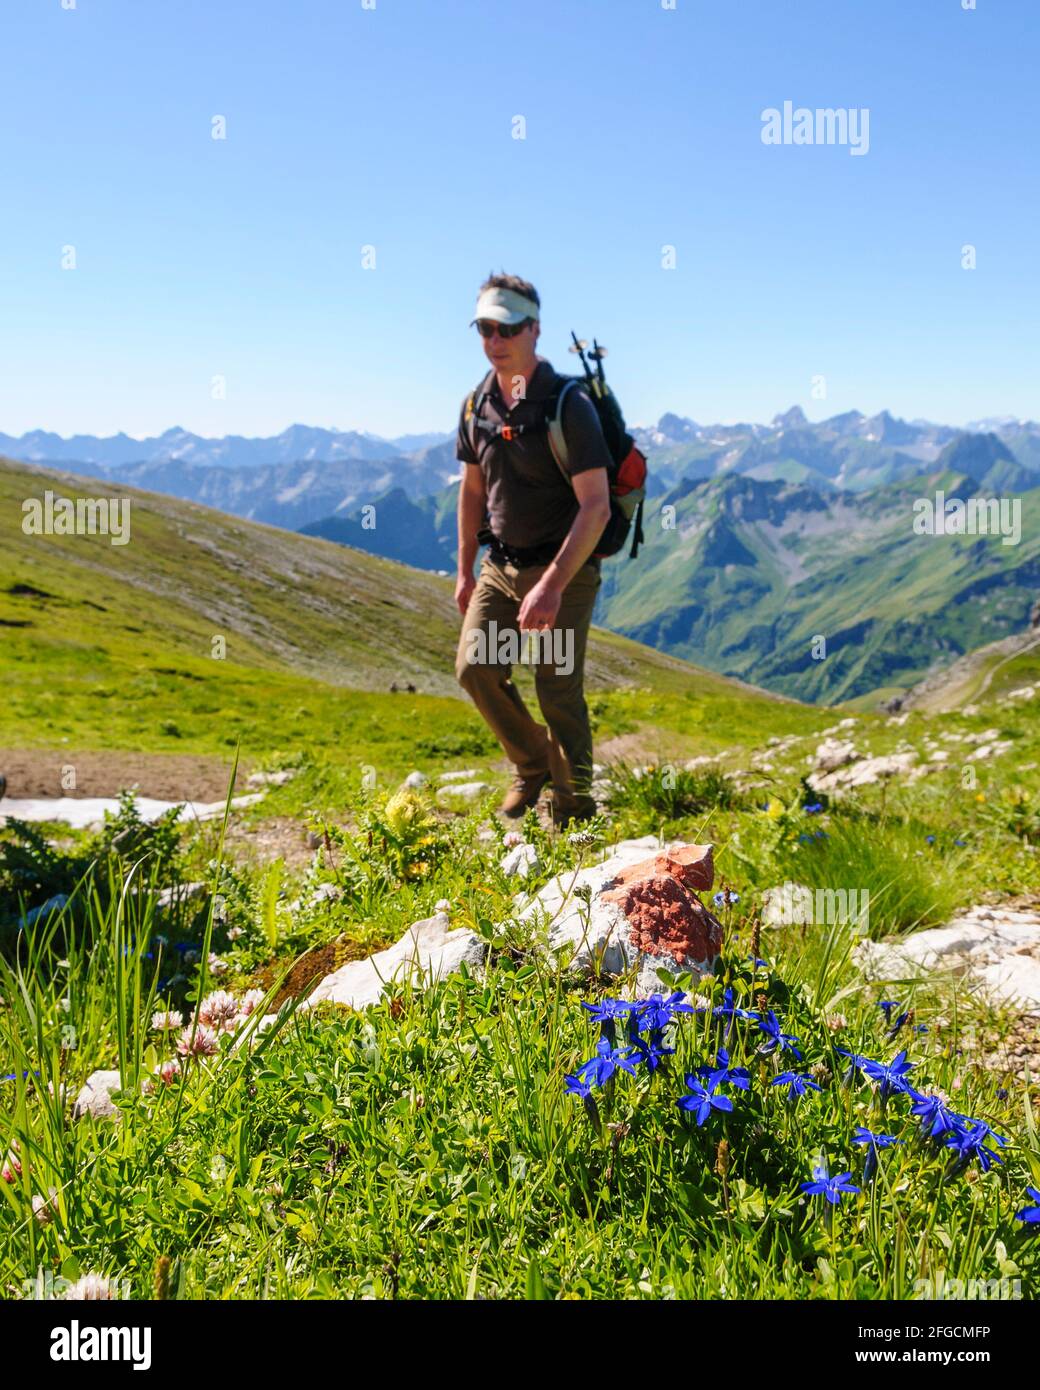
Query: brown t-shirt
[529,503]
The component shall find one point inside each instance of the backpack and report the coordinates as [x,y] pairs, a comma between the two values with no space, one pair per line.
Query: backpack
[626,472]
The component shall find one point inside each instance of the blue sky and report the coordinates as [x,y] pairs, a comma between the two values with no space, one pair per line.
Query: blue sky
[392,127]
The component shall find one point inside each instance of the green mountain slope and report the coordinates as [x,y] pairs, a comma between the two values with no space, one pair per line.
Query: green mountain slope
[120,646]
[753,574]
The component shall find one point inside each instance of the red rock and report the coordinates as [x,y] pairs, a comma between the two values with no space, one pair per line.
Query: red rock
[665,918]
[691,865]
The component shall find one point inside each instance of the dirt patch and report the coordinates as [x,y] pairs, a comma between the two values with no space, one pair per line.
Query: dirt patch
[322,961]
[252,844]
[37,772]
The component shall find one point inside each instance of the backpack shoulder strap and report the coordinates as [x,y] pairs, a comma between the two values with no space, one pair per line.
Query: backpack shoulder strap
[554,422]
[474,411]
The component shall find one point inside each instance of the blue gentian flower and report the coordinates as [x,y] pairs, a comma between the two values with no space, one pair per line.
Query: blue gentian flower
[1002,1093]
[813,808]
[657,1012]
[1030,1214]
[575,1086]
[881,1141]
[874,1142]
[758,962]
[653,1051]
[929,839]
[722,1074]
[796,1082]
[598,1070]
[770,1025]
[971,1143]
[727,1009]
[891,1076]
[935,1115]
[702,1100]
[855,1064]
[724,896]
[831,1188]
[608,1009]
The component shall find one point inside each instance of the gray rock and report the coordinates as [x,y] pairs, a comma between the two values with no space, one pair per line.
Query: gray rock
[428,951]
[415,779]
[862,773]
[457,776]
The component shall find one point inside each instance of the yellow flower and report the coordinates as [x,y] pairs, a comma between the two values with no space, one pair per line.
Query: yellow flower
[981,796]
[774,809]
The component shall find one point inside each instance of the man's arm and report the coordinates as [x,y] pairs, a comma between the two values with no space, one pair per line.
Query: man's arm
[472,504]
[540,607]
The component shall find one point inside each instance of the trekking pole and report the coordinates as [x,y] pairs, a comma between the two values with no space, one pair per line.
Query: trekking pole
[579,348]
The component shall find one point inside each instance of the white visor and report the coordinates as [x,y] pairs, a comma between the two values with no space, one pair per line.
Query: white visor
[505,306]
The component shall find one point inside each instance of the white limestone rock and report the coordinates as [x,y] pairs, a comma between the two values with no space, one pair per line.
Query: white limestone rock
[520,861]
[468,791]
[833,753]
[995,949]
[427,952]
[598,934]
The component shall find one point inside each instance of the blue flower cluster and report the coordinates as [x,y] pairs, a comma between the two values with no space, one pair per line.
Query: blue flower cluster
[647,1019]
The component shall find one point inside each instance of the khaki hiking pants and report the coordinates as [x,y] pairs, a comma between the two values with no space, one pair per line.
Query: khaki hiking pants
[489,644]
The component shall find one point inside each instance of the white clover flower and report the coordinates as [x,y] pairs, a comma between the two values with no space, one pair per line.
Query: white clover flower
[219,1010]
[45,1208]
[235,932]
[12,1165]
[168,1071]
[165,1021]
[511,838]
[216,965]
[200,1042]
[836,1022]
[251,1001]
[442,905]
[90,1287]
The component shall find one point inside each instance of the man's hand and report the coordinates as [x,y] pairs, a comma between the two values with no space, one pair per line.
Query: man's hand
[540,607]
[464,586]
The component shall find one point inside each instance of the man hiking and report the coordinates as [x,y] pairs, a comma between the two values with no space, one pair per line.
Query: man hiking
[538,573]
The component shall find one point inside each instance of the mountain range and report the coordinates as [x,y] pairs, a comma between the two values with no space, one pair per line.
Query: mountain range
[776,534]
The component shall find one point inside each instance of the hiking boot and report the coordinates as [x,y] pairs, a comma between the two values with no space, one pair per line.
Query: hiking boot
[571,812]
[523,792]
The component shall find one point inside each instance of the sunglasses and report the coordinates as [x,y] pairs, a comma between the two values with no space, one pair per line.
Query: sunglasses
[488,327]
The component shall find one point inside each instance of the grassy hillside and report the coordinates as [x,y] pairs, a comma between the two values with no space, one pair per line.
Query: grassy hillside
[109,646]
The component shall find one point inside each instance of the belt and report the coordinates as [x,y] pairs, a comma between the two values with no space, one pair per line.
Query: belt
[521,557]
